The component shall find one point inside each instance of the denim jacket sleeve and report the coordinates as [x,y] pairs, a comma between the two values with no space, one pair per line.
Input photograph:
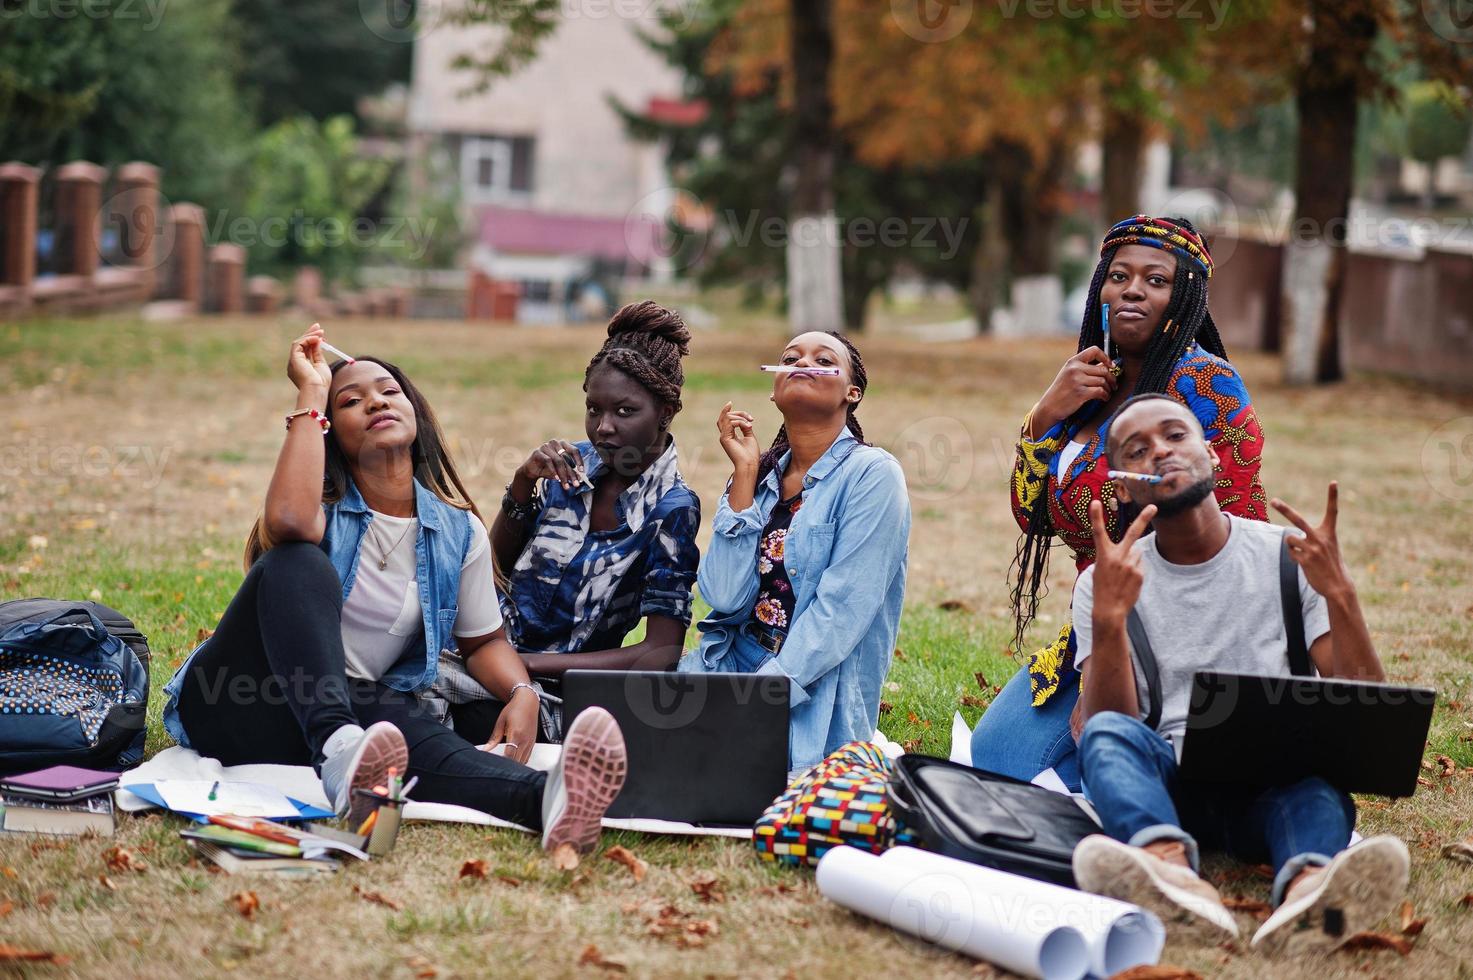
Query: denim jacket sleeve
[869,546]
[727,576]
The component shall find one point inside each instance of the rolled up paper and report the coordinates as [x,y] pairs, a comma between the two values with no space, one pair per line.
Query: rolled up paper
[1020,924]
[943,908]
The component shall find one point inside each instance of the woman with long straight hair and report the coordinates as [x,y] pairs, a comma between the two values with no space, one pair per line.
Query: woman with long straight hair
[369,559]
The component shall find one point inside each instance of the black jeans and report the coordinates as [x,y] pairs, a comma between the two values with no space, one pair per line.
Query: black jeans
[270,686]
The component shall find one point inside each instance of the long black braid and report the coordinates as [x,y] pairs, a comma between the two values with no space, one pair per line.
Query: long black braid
[860,378]
[1185,321]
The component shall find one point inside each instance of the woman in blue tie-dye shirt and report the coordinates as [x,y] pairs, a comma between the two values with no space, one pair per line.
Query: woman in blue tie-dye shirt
[595,536]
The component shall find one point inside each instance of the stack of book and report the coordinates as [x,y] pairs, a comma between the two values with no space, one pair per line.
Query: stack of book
[250,845]
[60,800]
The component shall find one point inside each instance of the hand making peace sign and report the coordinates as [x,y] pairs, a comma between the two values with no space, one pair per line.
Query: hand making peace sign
[1117,569]
[1318,552]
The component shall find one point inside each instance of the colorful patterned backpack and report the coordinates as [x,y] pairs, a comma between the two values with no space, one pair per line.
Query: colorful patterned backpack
[842,800]
[73,686]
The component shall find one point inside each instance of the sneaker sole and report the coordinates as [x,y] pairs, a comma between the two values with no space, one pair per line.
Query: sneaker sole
[382,748]
[1366,882]
[594,766]
[1106,867]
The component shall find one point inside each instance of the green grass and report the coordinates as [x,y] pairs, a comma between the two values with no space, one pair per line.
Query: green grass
[166,551]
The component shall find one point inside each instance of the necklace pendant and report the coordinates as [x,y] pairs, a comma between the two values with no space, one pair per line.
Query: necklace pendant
[383,564]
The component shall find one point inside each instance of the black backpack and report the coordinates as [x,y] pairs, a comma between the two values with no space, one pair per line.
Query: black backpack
[73,686]
[1299,664]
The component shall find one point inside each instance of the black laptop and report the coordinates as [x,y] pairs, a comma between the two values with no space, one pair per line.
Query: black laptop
[1358,736]
[708,749]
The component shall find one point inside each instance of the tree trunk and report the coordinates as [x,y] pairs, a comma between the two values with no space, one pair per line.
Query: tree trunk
[1123,150]
[987,289]
[815,282]
[1314,255]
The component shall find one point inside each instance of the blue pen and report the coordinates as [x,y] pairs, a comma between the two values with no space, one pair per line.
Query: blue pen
[1105,324]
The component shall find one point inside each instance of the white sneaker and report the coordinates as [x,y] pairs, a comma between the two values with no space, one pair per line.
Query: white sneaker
[1104,866]
[362,764]
[588,775]
[1361,886]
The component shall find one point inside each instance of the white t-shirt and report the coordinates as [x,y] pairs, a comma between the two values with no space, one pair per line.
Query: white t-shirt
[1224,614]
[1067,455]
[382,615]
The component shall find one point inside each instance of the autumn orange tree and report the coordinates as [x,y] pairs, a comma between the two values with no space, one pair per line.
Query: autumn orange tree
[1021,94]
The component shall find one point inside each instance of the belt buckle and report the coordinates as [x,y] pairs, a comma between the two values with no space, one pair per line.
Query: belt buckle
[765,638]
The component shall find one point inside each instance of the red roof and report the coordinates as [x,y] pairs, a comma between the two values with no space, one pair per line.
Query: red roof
[526,232]
[677,112]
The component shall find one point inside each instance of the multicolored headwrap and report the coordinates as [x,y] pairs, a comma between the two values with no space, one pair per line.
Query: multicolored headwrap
[1162,233]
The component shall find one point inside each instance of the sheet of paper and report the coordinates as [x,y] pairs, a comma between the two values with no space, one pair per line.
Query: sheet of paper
[242,799]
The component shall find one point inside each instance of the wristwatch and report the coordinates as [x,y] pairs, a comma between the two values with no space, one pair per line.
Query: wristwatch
[517,511]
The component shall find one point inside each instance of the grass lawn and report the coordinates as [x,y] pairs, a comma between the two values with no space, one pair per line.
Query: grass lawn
[135,456]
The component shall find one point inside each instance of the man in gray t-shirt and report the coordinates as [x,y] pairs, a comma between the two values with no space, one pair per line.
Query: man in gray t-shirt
[1206,588]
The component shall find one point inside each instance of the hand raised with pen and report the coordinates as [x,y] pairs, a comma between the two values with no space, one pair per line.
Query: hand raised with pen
[1084,378]
[556,459]
[1318,551]
[1118,570]
[306,366]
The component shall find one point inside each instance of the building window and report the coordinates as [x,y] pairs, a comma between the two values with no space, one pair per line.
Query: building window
[496,168]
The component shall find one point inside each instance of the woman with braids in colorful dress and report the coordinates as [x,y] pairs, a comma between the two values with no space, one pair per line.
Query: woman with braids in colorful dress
[594,536]
[806,569]
[1152,276]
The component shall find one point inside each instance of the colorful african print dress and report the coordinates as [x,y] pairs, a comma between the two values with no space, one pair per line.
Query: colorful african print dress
[1213,390]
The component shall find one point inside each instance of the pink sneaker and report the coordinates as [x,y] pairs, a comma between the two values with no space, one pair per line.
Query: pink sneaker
[586,779]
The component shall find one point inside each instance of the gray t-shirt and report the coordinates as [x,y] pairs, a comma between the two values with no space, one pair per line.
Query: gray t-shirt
[1224,614]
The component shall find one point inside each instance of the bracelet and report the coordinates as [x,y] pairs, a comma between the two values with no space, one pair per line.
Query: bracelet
[314,414]
[517,511]
[517,686]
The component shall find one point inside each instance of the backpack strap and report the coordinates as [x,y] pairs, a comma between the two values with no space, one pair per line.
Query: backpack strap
[1299,664]
[1141,645]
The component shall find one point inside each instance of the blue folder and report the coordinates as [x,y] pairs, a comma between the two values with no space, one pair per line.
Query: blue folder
[146,791]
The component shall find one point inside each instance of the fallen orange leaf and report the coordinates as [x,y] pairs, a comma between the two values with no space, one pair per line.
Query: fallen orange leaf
[565,857]
[473,869]
[1410,924]
[708,887]
[1160,972]
[377,897]
[592,957]
[629,859]
[246,903]
[119,858]
[6,908]
[14,954]
[107,883]
[1378,940]
[1252,906]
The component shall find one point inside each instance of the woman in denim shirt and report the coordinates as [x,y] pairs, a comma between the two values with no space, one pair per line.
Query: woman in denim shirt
[806,568]
[369,557]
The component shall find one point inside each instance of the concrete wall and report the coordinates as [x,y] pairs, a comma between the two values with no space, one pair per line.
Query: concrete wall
[1405,316]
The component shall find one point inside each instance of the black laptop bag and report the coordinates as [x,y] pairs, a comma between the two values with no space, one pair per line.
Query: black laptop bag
[989,819]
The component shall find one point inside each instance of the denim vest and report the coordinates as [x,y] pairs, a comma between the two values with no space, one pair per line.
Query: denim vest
[440,547]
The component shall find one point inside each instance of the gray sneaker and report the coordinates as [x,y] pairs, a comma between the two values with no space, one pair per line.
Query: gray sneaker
[1361,886]
[363,764]
[588,775]
[1104,866]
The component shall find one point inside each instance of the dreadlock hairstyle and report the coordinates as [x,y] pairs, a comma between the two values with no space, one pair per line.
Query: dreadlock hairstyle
[860,379]
[1186,320]
[432,464]
[646,341]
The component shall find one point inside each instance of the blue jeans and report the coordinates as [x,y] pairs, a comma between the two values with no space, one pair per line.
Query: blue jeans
[1016,739]
[1130,776]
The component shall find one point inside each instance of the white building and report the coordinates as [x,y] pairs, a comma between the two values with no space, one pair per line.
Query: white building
[554,190]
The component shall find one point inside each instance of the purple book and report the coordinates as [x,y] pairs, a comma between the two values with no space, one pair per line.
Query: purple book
[60,783]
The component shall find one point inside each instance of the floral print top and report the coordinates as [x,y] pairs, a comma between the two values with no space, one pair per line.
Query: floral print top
[774,608]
